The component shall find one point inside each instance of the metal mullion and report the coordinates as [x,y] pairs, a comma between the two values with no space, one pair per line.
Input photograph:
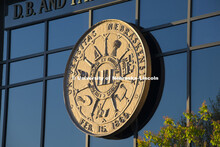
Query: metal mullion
[25,83]
[135,144]
[213,14]
[137,13]
[87,140]
[167,25]
[2,87]
[169,53]
[189,62]
[137,22]
[38,54]
[205,45]
[43,113]
[33,81]
[5,117]
[2,62]
[54,77]
[90,18]
[26,57]
[60,49]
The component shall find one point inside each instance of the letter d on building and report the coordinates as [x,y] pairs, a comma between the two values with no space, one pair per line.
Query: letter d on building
[18,11]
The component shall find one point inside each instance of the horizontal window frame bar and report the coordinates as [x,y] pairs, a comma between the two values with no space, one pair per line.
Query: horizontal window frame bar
[209,15]
[166,25]
[179,22]
[207,45]
[32,81]
[169,53]
[39,54]
[198,47]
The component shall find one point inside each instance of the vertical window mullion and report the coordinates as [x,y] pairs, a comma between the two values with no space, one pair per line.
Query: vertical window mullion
[87,141]
[5,117]
[189,61]
[137,21]
[43,113]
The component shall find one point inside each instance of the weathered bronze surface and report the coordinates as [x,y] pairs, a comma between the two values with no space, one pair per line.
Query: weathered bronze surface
[104,90]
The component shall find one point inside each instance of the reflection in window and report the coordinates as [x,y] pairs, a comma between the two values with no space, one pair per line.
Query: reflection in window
[171,38]
[205,76]
[124,11]
[57,62]
[66,31]
[24,116]
[5,45]
[2,73]
[157,12]
[201,7]
[2,101]
[173,101]
[27,40]
[100,142]
[206,31]
[26,70]
[60,130]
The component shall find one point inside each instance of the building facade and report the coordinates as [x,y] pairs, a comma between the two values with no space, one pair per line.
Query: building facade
[35,48]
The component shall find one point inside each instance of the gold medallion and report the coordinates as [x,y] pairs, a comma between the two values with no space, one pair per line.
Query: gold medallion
[104,81]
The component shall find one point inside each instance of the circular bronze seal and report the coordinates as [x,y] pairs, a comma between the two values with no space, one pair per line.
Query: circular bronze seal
[104,81]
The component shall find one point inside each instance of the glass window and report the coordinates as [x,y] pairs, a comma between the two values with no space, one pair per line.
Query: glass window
[206,31]
[60,130]
[57,62]
[205,76]
[26,70]
[5,45]
[27,40]
[100,142]
[2,101]
[66,31]
[157,12]
[173,101]
[201,7]
[171,38]
[2,73]
[124,11]
[24,116]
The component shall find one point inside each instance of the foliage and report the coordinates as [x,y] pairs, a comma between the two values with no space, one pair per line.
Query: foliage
[197,131]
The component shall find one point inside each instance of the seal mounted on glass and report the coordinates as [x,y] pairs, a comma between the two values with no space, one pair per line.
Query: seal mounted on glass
[104,86]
